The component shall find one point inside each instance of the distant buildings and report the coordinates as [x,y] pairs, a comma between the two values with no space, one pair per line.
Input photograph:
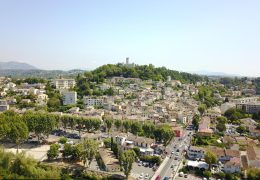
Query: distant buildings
[244,100]
[64,83]
[251,108]
[69,97]
[91,101]
[3,105]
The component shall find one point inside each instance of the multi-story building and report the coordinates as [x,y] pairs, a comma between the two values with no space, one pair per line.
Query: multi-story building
[69,97]
[89,101]
[251,108]
[194,152]
[244,100]
[64,83]
[3,105]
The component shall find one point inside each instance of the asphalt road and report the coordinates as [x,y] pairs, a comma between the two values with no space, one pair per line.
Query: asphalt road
[178,144]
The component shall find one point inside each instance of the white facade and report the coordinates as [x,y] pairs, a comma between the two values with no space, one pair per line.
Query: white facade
[195,152]
[69,97]
[64,83]
[93,101]
[3,105]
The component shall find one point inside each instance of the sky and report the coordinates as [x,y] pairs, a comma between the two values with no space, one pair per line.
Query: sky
[184,35]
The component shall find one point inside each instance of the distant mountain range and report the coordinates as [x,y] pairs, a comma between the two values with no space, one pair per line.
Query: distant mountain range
[209,73]
[13,65]
[23,70]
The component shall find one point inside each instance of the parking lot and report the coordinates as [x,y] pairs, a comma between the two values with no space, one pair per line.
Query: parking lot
[138,170]
[189,177]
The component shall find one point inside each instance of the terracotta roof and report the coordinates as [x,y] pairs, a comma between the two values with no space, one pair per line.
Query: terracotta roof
[234,162]
[253,153]
[217,151]
[232,153]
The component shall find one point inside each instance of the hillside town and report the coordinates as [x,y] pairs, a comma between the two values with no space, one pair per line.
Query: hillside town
[134,126]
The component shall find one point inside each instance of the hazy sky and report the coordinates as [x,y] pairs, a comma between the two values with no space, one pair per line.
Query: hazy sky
[186,35]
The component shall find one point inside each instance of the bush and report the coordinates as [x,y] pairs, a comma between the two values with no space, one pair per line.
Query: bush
[207,174]
[151,159]
[53,152]
[63,140]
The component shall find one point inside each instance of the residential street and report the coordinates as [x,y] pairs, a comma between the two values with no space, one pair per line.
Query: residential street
[175,152]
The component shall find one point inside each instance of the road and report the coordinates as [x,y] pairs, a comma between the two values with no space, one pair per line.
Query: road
[175,158]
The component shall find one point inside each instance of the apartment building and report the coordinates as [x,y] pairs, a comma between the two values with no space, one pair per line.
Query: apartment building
[91,101]
[251,108]
[3,105]
[64,83]
[244,100]
[69,97]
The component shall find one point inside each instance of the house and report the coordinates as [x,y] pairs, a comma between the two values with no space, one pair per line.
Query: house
[253,156]
[224,155]
[4,105]
[69,97]
[110,163]
[233,166]
[195,152]
[204,127]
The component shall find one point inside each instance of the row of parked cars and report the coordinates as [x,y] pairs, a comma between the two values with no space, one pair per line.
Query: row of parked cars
[60,132]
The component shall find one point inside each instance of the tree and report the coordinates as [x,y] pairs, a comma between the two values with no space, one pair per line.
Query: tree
[221,127]
[126,125]
[210,158]
[202,108]
[90,149]
[195,121]
[53,152]
[136,128]
[109,123]
[17,130]
[241,129]
[148,129]
[40,123]
[118,124]
[127,159]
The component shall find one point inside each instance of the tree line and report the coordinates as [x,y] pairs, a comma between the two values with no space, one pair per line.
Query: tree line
[162,133]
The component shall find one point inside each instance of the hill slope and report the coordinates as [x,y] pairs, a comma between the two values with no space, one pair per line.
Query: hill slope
[11,65]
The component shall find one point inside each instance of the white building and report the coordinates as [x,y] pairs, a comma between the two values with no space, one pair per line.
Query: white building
[93,101]
[69,97]
[3,105]
[194,152]
[64,83]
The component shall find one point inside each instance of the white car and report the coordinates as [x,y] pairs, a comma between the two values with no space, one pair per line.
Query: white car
[141,176]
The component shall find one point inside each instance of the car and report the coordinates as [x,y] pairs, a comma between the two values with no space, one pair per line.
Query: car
[181,174]
[146,176]
[141,176]
[172,166]
[176,158]
[140,163]
[177,150]
[172,152]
